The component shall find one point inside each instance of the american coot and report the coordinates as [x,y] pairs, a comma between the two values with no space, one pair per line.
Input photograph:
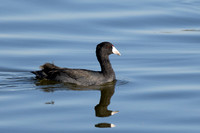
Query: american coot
[82,76]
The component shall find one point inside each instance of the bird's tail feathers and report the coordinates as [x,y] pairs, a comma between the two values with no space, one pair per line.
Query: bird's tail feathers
[45,70]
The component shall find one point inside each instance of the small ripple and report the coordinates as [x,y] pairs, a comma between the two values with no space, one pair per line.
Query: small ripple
[80,15]
[6,71]
[63,37]
[16,81]
[167,93]
[196,30]
[122,82]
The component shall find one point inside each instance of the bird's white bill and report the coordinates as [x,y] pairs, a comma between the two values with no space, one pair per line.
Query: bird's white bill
[112,125]
[115,51]
[114,112]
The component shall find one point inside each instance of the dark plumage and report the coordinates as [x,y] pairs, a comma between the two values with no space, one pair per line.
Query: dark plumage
[82,76]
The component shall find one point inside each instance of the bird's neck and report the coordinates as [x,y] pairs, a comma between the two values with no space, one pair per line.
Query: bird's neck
[106,67]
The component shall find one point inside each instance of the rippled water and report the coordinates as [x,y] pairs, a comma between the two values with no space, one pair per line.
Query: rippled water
[157,88]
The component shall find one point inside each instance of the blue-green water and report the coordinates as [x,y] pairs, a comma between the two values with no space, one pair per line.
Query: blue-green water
[158,74]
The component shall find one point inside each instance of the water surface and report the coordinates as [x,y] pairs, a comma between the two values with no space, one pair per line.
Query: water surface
[157,88]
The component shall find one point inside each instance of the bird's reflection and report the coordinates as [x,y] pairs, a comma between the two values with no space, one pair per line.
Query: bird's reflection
[107,92]
[104,125]
[101,109]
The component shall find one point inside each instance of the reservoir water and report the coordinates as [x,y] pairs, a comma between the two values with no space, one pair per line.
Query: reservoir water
[158,73]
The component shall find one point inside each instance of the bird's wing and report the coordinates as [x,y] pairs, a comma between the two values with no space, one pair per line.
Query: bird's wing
[76,73]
